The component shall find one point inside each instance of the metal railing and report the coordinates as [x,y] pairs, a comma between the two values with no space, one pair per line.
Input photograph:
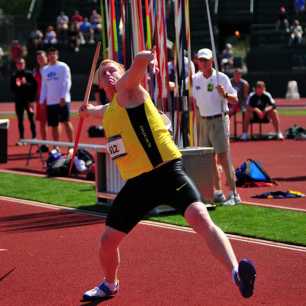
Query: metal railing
[251,6]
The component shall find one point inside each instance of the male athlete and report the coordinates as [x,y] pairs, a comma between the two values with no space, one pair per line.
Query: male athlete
[148,160]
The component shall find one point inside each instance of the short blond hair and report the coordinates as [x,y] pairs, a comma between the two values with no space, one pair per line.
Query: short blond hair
[110,61]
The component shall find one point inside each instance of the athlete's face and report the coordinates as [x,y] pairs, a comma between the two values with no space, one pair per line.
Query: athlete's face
[110,73]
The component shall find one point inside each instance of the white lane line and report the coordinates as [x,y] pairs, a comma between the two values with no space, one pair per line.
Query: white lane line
[275,206]
[166,226]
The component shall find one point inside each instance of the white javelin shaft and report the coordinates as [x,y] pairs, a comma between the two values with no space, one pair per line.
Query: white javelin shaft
[213,47]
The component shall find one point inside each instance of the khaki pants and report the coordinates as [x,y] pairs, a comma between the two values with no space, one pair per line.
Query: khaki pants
[214,133]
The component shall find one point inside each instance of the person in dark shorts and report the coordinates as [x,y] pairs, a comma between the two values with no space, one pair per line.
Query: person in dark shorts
[151,164]
[23,86]
[261,105]
[55,93]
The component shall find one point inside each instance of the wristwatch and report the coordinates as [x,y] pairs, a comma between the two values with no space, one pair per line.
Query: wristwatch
[226,95]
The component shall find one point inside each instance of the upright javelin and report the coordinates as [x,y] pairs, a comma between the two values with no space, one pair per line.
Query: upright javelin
[213,47]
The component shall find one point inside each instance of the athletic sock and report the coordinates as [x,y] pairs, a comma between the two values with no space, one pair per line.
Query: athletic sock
[111,286]
[234,273]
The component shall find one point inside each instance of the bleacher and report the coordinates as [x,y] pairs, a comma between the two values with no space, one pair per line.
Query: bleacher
[270,58]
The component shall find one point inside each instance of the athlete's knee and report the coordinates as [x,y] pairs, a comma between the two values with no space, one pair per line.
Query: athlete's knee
[196,214]
[111,238]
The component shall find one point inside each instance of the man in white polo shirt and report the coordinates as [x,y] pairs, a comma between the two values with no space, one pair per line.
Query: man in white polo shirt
[55,92]
[212,93]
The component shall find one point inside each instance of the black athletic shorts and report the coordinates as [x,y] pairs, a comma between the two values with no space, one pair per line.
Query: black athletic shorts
[166,185]
[57,114]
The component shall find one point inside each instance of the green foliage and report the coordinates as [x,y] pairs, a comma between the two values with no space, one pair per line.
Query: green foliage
[16,7]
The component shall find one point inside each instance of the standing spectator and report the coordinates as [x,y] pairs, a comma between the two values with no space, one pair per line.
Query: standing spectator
[50,36]
[16,53]
[62,22]
[242,88]
[86,32]
[55,92]
[41,109]
[227,59]
[211,98]
[23,86]
[77,18]
[261,106]
[296,33]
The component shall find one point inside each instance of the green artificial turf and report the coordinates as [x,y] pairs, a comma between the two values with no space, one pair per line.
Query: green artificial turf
[292,111]
[266,223]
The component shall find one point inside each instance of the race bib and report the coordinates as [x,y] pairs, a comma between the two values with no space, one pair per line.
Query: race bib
[115,147]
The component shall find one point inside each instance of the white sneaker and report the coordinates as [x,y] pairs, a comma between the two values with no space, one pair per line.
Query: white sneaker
[101,291]
[219,197]
[280,136]
[233,199]
[244,136]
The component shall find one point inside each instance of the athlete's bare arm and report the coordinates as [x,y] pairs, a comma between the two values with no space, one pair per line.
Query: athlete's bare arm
[93,110]
[130,93]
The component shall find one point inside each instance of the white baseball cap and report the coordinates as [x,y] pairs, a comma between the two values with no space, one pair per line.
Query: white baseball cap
[205,53]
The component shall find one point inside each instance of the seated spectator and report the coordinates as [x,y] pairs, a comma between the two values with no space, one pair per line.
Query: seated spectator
[299,6]
[261,106]
[86,32]
[77,18]
[296,33]
[95,20]
[74,37]
[62,22]
[282,22]
[50,36]
[227,59]
[36,39]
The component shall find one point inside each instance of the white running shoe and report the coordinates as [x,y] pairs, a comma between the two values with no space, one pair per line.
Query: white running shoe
[280,136]
[219,197]
[100,292]
[233,199]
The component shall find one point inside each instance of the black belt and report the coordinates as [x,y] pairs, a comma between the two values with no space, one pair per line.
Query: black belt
[214,116]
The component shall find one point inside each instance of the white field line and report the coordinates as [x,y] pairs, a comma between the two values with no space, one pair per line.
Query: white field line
[166,226]
[275,206]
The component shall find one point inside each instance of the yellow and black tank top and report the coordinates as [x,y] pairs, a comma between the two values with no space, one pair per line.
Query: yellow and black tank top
[138,139]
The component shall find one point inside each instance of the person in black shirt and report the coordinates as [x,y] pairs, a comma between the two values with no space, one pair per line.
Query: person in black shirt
[261,106]
[24,87]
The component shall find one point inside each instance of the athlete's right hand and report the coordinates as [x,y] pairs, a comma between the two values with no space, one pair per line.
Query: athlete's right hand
[85,110]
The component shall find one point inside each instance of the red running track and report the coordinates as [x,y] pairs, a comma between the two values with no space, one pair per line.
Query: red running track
[49,257]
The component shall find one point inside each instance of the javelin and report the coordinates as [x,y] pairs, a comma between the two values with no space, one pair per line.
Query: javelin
[85,102]
[213,47]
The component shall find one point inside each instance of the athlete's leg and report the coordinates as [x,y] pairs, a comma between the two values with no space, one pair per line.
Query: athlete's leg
[109,253]
[197,216]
